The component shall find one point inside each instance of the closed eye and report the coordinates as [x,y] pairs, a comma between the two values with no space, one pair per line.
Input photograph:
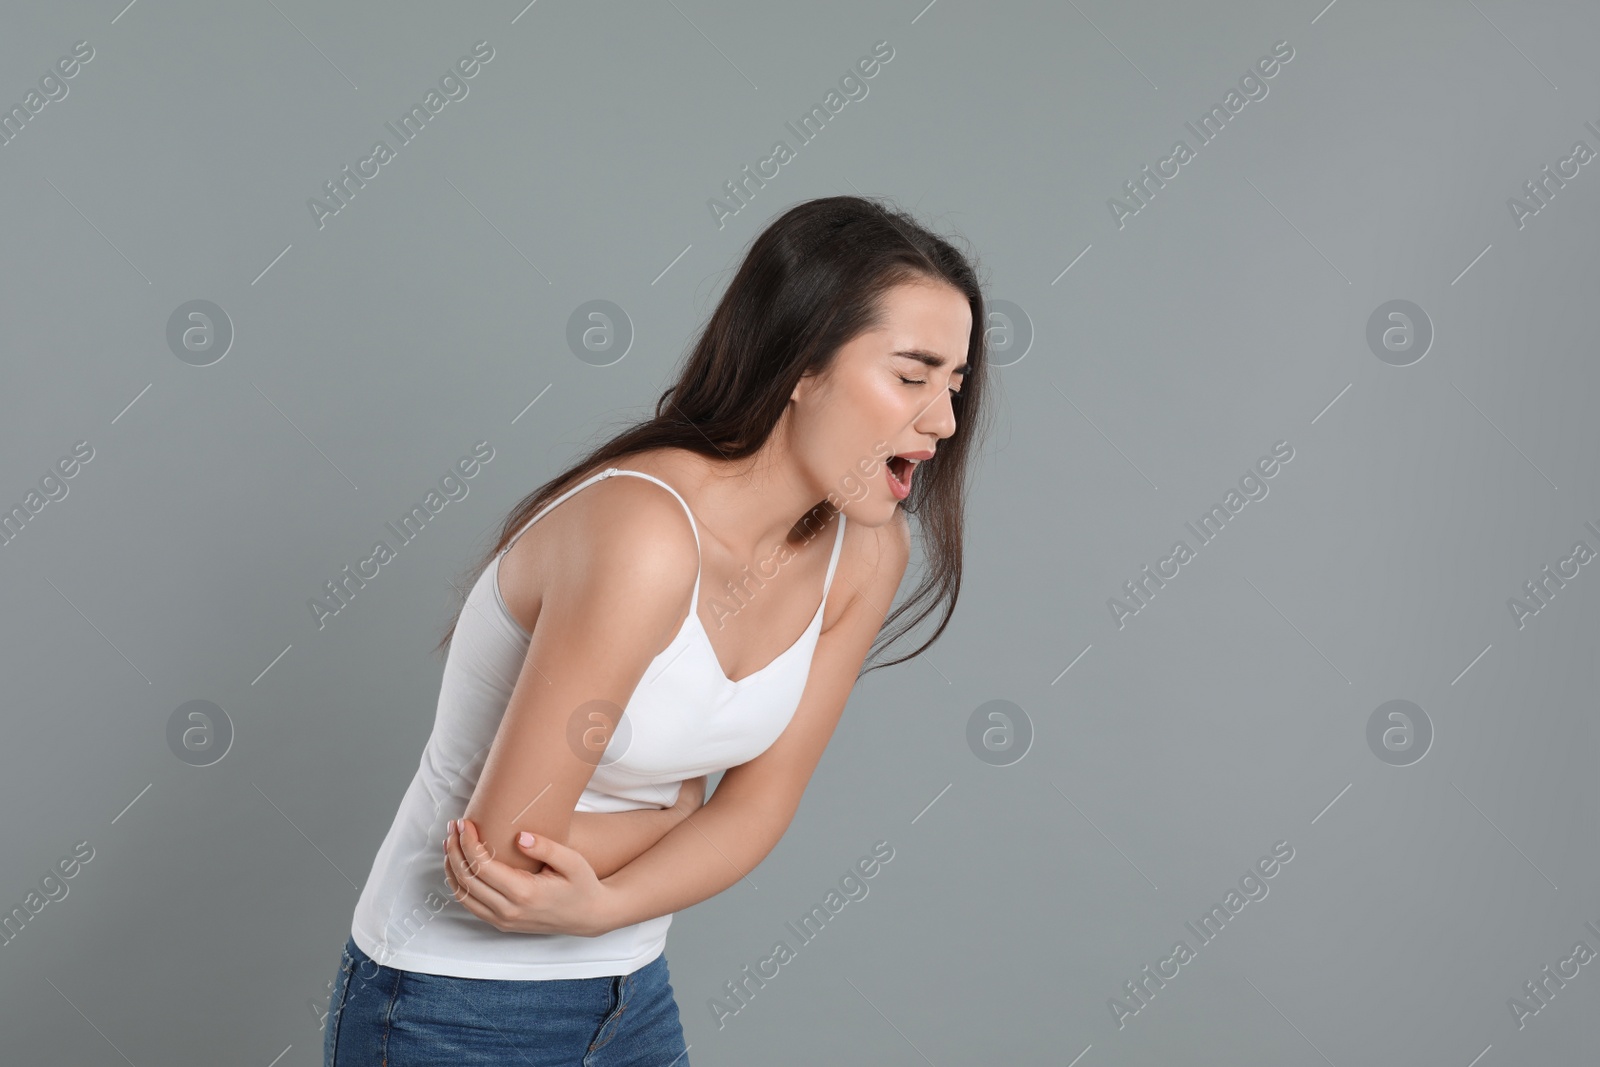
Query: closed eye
[923,381]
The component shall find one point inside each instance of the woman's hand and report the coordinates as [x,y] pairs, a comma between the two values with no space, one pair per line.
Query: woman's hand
[565,897]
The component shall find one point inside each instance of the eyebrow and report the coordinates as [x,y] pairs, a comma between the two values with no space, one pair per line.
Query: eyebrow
[931,359]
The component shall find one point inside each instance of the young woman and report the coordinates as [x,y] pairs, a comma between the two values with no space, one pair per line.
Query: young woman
[618,648]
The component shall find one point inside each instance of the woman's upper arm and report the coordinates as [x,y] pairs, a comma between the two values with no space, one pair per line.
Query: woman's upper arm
[771,785]
[610,605]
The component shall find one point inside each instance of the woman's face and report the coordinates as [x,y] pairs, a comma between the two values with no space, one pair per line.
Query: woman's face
[887,394]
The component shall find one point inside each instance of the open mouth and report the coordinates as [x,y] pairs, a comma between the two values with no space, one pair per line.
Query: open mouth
[900,469]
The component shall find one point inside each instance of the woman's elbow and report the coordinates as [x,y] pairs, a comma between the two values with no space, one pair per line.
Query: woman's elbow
[498,826]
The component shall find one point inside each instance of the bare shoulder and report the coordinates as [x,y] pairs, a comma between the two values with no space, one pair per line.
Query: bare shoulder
[633,529]
[623,543]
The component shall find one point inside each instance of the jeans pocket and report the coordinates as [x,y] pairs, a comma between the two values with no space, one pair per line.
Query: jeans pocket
[619,1002]
[341,990]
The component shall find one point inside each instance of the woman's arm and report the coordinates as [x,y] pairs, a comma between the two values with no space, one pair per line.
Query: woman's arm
[697,859]
[755,802]
[605,613]
[732,832]
[609,840]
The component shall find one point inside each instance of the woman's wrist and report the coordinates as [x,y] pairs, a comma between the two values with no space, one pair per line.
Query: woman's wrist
[688,865]
[609,841]
[691,797]
[616,905]
[611,911]
[677,813]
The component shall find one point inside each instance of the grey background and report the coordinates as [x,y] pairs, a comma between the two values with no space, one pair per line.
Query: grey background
[1227,315]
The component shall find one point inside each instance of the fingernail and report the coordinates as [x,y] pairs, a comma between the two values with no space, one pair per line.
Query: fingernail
[524,839]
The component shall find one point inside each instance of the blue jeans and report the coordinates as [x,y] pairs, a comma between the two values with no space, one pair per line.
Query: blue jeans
[385,1016]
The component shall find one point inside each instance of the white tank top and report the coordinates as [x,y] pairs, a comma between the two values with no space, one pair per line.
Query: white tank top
[684,719]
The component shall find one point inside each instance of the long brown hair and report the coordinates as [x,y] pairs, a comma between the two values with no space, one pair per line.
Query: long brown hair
[812,281]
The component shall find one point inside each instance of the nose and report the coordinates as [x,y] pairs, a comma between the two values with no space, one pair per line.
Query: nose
[938,418]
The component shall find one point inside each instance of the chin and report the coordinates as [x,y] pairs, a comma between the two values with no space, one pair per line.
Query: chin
[878,516]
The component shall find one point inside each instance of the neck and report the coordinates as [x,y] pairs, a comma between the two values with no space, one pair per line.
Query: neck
[755,504]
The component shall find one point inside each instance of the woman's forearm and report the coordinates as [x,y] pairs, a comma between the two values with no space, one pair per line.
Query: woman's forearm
[610,840]
[704,854]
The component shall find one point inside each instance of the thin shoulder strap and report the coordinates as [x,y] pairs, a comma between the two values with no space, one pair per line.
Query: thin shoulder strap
[550,506]
[833,561]
[694,602]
